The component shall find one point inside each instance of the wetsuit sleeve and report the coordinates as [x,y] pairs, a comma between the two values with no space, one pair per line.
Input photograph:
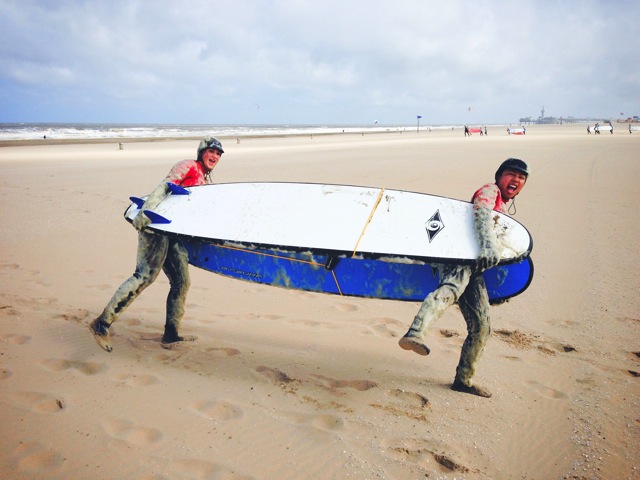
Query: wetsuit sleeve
[153,200]
[181,172]
[484,222]
[486,197]
[176,175]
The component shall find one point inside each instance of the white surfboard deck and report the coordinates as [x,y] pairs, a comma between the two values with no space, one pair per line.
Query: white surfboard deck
[363,221]
[603,128]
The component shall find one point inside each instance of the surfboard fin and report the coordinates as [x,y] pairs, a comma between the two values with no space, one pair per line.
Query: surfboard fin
[138,201]
[156,218]
[177,189]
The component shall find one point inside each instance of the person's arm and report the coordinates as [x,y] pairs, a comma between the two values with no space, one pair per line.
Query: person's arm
[141,221]
[484,220]
[177,175]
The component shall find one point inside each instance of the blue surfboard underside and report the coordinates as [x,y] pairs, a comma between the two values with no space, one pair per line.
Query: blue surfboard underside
[371,278]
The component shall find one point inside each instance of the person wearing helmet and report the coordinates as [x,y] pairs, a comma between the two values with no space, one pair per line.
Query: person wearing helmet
[465,285]
[158,252]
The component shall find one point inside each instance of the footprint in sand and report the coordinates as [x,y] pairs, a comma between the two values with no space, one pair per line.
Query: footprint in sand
[213,410]
[134,380]
[321,422]
[10,266]
[131,433]
[33,458]
[274,374]
[164,358]
[409,404]
[36,402]
[224,351]
[360,385]
[346,307]
[76,316]
[545,391]
[9,311]
[410,398]
[60,365]
[312,323]
[386,327]
[192,468]
[4,374]
[15,339]
[423,453]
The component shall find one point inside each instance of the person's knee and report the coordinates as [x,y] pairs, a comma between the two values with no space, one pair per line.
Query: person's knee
[448,293]
[146,276]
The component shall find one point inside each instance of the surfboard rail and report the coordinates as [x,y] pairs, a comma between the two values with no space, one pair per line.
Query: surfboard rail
[344,275]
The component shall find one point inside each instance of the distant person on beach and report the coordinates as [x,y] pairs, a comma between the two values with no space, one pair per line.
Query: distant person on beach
[485,131]
[466,131]
[589,129]
[158,252]
[465,285]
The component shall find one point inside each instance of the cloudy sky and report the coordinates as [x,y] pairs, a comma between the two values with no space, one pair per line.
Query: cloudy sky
[317,61]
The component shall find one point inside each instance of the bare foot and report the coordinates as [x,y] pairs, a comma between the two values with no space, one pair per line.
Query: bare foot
[415,344]
[101,335]
[473,390]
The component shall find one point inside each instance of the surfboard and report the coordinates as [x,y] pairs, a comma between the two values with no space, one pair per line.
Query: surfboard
[603,128]
[348,240]
[516,131]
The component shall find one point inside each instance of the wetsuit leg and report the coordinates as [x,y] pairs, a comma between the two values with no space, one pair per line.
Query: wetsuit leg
[176,267]
[152,251]
[474,305]
[453,282]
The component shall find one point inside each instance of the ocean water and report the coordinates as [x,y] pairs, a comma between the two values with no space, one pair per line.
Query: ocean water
[33,131]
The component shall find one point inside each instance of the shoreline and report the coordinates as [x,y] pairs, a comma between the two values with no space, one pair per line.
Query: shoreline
[424,130]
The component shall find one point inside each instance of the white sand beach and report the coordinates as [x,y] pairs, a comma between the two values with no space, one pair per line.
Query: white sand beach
[284,384]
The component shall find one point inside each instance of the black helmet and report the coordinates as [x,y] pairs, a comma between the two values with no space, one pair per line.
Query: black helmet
[209,142]
[513,164]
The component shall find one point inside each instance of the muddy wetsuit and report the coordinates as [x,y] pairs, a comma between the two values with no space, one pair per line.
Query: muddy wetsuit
[465,285]
[158,252]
